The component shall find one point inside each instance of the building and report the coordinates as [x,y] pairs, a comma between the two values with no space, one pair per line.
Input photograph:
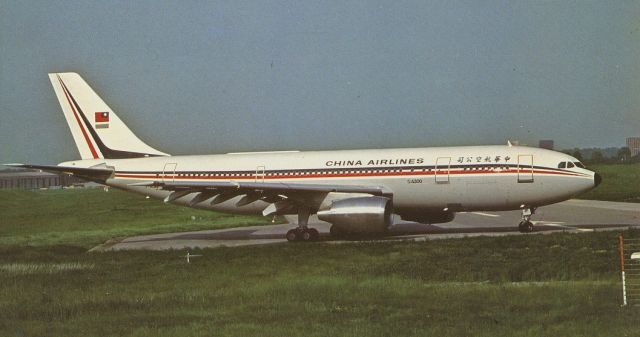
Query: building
[31,180]
[546,144]
[633,143]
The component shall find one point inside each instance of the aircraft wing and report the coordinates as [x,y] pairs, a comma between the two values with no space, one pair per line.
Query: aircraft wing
[92,174]
[281,196]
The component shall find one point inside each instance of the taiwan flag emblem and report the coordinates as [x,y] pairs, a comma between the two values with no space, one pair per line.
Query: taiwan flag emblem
[102,120]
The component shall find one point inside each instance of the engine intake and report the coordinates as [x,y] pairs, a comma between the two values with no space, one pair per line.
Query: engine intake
[359,215]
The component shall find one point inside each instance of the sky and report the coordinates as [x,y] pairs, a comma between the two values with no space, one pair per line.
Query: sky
[203,77]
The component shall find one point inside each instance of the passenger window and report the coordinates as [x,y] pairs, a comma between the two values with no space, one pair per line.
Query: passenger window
[562,165]
[579,164]
[570,165]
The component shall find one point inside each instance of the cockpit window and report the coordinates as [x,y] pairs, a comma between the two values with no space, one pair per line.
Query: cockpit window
[579,164]
[562,165]
[570,165]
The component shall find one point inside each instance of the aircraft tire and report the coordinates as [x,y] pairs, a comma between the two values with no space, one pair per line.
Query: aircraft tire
[315,235]
[293,235]
[305,235]
[525,227]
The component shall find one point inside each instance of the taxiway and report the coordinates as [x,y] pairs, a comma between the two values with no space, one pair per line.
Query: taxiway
[572,215]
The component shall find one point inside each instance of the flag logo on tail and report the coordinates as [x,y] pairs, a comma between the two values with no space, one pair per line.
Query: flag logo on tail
[102,120]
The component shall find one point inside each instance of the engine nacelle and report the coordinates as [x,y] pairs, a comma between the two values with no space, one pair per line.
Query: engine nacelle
[428,217]
[359,215]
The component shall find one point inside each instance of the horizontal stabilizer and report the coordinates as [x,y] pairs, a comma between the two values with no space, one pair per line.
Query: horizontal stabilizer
[99,175]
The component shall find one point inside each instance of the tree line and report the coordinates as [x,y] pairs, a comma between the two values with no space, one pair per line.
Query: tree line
[597,156]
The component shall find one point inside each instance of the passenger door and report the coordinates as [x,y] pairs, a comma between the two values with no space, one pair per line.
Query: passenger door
[525,168]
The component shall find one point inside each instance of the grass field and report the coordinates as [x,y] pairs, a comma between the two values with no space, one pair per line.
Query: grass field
[539,285]
[535,285]
[619,183]
[87,217]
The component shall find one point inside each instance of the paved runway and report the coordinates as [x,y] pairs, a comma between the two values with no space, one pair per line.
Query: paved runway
[571,215]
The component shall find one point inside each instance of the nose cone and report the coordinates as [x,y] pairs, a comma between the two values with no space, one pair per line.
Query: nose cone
[597,179]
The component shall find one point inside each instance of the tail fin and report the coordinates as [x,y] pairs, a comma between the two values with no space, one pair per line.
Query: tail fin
[96,129]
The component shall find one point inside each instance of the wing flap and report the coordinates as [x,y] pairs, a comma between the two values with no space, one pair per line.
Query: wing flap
[280,195]
[258,186]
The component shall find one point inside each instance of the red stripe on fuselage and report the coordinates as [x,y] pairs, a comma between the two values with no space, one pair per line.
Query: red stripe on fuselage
[94,153]
[337,175]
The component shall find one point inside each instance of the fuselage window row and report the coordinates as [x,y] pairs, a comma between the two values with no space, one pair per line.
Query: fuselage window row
[344,171]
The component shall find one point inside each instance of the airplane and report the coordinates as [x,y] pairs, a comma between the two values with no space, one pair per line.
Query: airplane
[358,192]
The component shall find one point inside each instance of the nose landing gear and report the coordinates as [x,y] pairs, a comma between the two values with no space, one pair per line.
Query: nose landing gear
[526,226]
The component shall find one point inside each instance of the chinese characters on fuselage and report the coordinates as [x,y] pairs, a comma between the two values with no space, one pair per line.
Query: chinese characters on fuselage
[484,159]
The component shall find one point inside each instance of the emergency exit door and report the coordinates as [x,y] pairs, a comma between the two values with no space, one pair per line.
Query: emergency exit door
[443,164]
[169,172]
[259,176]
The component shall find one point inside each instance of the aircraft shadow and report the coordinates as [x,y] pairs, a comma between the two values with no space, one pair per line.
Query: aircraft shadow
[402,229]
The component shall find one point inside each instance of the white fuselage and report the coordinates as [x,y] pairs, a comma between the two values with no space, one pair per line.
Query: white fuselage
[467,178]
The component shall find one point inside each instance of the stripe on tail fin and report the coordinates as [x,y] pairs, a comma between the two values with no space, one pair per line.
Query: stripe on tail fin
[97,130]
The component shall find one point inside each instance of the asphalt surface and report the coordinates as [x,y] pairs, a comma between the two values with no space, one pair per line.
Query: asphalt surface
[571,216]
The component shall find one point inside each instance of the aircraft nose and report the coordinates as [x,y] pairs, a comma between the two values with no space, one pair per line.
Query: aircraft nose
[597,179]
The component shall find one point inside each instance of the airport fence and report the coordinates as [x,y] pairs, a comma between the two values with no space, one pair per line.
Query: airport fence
[630,270]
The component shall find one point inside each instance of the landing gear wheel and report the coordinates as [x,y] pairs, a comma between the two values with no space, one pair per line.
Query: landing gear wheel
[305,235]
[302,232]
[525,227]
[292,235]
[315,235]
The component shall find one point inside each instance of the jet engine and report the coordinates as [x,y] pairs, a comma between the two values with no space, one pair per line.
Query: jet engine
[362,215]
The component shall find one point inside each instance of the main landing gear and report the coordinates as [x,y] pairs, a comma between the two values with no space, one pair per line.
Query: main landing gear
[525,226]
[303,232]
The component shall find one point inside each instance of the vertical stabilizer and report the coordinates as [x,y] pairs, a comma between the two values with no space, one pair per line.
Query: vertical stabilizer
[96,129]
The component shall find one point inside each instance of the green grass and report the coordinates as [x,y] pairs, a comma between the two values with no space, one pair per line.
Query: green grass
[535,285]
[619,183]
[539,285]
[87,217]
